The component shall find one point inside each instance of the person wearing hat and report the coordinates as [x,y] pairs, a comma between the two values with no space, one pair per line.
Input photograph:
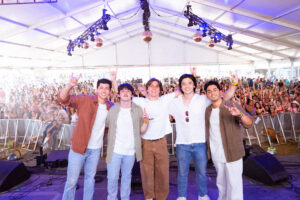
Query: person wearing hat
[126,121]
[295,106]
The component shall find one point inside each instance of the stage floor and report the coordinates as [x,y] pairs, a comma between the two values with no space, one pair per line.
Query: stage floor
[47,184]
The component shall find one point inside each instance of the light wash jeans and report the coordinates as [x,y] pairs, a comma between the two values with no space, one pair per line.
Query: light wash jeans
[75,162]
[184,153]
[125,163]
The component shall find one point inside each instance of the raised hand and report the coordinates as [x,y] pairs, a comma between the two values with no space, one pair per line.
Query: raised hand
[74,80]
[142,90]
[233,110]
[113,74]
[234,77]
[193,70]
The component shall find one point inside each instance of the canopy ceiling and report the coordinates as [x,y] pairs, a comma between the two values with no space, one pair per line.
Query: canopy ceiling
[36,35]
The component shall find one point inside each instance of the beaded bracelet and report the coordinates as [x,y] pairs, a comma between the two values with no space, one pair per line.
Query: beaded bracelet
[241,115]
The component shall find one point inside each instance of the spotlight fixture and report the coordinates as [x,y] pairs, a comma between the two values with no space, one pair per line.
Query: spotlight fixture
[211,43]
[91,32]
[147,36]
[99,42]
[216,36]
[197,37]
[85,45]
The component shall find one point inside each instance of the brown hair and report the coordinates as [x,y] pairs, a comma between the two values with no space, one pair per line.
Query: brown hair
[151,81]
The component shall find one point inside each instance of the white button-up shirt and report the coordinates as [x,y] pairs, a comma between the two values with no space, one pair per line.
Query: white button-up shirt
[192,131]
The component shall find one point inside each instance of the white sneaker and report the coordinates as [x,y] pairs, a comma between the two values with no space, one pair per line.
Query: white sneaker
[181,198]
[205,197]
[149,199]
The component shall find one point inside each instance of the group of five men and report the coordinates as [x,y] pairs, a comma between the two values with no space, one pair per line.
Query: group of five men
[205,125]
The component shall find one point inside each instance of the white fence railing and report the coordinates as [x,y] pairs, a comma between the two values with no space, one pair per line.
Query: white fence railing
[29,133]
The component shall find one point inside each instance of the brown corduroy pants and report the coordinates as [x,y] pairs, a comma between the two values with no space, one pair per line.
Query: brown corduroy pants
[155,169]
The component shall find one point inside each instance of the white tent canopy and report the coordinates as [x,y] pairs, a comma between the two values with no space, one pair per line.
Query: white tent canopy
[36,35]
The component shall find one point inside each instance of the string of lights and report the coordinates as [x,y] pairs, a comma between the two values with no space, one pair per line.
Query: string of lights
[206,29]
[91,33]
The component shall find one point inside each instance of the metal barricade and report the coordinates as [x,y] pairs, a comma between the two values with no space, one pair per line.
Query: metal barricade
[9,130]
[64,136]
[29,132]
[33,134]
[252,134]
[296,124]
[286,125]
[269,127]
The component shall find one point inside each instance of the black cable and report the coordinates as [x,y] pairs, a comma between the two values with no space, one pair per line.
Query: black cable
[165,16]
[138,10]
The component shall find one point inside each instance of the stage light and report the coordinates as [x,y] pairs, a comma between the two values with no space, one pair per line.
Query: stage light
[190,23]
[99,42]
[207,29]
[211,43]
[147,36]
[91,32]
[92,37]
[215,39]
[85,45]
[197,37]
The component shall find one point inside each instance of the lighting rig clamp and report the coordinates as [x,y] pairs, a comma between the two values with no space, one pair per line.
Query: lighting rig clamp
[207,29]
[146,14]
[91,32]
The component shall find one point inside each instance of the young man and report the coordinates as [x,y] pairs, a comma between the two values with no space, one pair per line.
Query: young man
[225,143]
[126,122]
[87,136]
[155,164]
[189,112]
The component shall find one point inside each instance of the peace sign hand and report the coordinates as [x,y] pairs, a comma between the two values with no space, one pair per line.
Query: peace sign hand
[145,116]
[233,110]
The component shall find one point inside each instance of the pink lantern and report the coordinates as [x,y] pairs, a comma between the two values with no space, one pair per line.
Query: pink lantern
[147,36]
[85,45]
[211,43]
[99,42]
[197,37]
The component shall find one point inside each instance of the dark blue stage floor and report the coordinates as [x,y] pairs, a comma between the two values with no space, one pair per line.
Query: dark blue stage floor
[48,185]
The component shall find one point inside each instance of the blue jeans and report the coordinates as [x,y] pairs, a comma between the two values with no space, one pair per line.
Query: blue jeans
[184,153]
[125,163]
[75,162]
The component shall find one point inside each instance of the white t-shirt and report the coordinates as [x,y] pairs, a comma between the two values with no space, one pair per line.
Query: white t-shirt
[124,143]
[194,130]
[160,125]
[96,138]
[74,119]
[215,139]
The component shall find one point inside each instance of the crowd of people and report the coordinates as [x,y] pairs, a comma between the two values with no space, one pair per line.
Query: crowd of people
[258,97]
[208,116]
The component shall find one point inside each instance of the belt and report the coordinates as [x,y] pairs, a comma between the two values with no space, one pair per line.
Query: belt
[155,139]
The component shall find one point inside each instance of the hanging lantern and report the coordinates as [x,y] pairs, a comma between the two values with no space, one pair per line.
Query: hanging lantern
[211,43]
[147,36]
[85,45]
[197,37]
[99,42]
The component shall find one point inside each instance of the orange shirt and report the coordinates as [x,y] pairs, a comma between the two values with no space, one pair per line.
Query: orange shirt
[86,106]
